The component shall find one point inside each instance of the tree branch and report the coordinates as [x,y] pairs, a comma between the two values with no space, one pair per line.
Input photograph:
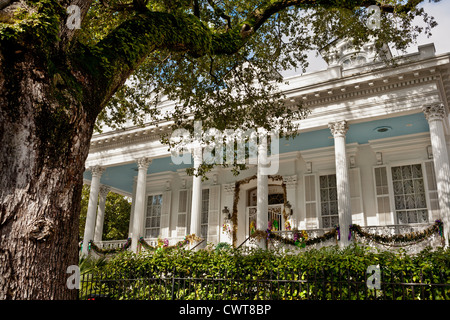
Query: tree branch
[126,47]
[220,13]
[66,34]
[122,51]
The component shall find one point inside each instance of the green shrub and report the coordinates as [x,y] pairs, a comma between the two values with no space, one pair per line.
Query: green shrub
[327,273]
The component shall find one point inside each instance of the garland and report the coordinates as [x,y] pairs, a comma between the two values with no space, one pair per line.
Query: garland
[164,244]
[234,215]
[399,239]
[93,246]
[300,240]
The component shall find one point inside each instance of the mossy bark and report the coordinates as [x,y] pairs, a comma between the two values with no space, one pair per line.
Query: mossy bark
[44,141]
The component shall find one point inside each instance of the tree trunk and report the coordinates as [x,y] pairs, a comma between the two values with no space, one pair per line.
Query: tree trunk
[44,141]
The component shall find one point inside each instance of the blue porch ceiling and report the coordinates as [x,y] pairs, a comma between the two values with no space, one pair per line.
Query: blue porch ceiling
[121,177]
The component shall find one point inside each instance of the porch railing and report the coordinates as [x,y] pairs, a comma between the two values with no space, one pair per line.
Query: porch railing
[387,230]
[111,244]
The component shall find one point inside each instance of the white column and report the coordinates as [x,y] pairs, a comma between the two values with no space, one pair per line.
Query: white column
[339,129]
[139,207]
[435,114]
[104,190]
[196,194]
[262,190]
[92,207]
[133,202]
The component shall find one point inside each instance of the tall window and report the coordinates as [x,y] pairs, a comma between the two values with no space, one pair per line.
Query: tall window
[409,194]
[382,195]
[328,201]
[153,217]
[204,217]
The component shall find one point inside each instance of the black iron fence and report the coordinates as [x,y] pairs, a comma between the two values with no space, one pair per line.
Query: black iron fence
[294,285]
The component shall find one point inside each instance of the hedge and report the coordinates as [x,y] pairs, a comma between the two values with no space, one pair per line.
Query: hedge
[323,269]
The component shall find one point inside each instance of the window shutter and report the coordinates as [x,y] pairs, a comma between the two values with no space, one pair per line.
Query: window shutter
[182,212]
[214,214]
[382,196]
[310,201]
[355,196]
[165,214]
[432,190]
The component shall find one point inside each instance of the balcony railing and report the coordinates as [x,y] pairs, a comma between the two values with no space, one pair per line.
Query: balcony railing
[387,230]
[111,244]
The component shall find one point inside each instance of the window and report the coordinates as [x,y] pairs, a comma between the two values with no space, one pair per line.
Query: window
[328,201]
[204,215]
[409,194]
[310,201]
[382,196]
[276,198]
[182,213]
[153,217]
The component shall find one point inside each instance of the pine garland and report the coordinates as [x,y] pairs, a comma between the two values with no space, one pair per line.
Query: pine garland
[399,239]
[188,239]
[301,240]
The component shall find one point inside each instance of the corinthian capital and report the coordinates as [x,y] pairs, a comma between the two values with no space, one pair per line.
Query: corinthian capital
[97,171]
[338,128]
[143,163]
[435,111]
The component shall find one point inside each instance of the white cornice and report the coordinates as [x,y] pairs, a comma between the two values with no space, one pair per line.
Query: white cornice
[401,144]
[327,154]
[160,179]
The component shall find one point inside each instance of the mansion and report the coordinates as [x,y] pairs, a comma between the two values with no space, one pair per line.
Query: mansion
[374,151]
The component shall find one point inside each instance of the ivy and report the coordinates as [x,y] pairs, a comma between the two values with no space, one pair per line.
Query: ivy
[41,21]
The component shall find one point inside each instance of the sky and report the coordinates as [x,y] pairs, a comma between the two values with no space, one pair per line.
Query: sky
[440,36]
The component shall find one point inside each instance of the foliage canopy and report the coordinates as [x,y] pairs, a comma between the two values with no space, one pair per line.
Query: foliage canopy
[241,48]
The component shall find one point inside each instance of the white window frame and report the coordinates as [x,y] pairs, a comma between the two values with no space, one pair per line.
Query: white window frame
[391,186]
[318,196]
[182,231]
[202,224]
[315,202]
